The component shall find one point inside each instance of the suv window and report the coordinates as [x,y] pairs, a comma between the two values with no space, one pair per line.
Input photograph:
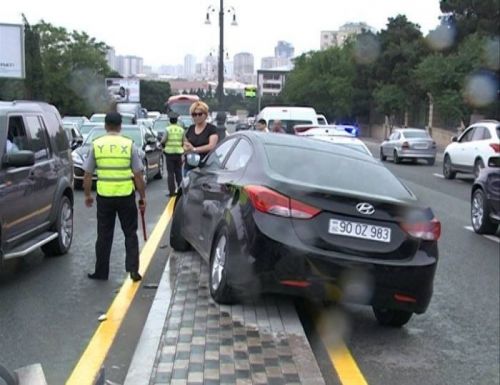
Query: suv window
[486,134]
[467,136]
[216,158]
[16,134]
[37,137]
[240,156]
[479,133]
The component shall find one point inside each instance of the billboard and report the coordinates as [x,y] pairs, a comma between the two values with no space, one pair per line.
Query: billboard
[12,51]
[124,90]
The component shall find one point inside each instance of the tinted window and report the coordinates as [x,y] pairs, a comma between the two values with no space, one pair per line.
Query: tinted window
[479,133]
[240,156]
[467,136]
[216,158]
[415,134]
[486,134]
[351,173]
[37,137]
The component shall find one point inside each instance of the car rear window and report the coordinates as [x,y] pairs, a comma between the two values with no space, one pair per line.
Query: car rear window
[288,125]
[415,134]
[337,171]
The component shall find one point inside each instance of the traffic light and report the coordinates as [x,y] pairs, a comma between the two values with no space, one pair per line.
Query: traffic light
[250,92]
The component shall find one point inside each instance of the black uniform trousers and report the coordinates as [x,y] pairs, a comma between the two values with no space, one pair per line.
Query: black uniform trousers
[174,169]
[107,209]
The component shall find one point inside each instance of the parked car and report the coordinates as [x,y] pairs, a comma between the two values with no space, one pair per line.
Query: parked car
[74,135]
[320,130]
[97,118]
[351,129]
[485,199]
[270,213]
[409,143]
[469,153]
[289,116]
[322,121]
[86,128]
[36,194]
[79,120]
[149,150]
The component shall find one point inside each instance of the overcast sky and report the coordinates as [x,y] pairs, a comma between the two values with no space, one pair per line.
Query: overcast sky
[162,32]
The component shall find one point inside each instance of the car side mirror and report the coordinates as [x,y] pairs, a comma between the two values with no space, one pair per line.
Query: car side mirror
[454,139]
[193,159]
[19,159]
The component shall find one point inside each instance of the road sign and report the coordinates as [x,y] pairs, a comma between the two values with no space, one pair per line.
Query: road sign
[12,51]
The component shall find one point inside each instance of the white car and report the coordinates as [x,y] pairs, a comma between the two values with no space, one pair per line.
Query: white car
[470,152]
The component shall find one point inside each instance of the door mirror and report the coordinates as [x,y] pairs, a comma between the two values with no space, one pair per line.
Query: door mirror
[19,159]
[193,159]
[454,139]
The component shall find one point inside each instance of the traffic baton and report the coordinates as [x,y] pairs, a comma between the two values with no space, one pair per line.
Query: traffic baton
[143,224]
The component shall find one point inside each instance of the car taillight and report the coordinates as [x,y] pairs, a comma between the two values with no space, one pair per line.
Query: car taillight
[406,145]
[428,231]
[271,202]
[495,147]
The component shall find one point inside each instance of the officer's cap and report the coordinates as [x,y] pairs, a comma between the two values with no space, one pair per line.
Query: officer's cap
[113,119]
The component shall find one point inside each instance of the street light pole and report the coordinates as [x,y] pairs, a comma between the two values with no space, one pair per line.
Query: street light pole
[220,85]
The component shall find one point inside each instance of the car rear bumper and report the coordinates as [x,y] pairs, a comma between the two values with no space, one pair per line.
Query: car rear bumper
[412,153]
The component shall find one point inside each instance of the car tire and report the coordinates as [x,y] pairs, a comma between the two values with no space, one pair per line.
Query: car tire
[177,241]
[64,228]
[391,317]
[431,162]
[159,175]
[383,158]
[396,157]
[448,172]
[480,214]
[478,166]
[220,290]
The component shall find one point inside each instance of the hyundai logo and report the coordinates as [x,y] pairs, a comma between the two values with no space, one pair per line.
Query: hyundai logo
[365,208]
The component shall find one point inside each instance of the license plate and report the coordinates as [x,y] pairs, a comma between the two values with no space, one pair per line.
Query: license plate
[422,146]
[360,230]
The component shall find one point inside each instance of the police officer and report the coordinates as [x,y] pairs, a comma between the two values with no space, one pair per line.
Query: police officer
[115,159]
[172,141]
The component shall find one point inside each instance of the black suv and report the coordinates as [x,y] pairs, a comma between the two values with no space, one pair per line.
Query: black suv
[36,179]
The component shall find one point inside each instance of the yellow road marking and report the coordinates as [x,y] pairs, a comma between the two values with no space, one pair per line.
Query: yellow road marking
[87,368]
[345,366]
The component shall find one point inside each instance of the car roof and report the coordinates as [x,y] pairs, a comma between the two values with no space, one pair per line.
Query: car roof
[21,106]
[304,142]
[403,130]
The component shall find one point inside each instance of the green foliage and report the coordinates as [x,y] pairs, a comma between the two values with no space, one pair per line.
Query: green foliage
[154,94]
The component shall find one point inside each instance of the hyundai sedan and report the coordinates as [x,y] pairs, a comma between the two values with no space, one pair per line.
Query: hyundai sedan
[282,213]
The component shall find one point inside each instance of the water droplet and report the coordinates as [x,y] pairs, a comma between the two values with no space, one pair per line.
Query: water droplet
[492,53]
[442,37]
[366,49]
[481,89]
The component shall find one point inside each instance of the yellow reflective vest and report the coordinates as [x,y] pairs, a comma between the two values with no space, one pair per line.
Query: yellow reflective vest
[113,156]
[175,134]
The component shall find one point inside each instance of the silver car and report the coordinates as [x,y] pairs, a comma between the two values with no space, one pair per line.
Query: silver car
[409,143]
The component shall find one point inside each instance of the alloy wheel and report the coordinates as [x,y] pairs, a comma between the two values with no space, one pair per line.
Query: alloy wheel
[477,211]
[219,262]
[66,232]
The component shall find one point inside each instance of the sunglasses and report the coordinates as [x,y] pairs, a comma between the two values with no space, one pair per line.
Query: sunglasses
[195,114]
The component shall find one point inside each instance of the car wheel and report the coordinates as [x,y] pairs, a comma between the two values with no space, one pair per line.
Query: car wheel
[64,228]
[478,166]
[396,157]
[447,169]
[391,317]
[159,175]
[383,158]
[480,214]
[431,162]
[219,287]
[177,241]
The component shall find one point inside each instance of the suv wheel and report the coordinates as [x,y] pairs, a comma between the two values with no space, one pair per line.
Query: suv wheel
[480,214]
[64,229]
[391,317]
[447,169]
[478,166]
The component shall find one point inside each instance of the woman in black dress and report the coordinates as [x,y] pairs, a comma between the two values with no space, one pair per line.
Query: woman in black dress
[201,137]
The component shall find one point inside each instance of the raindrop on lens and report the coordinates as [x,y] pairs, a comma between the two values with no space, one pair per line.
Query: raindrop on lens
[481,89]
[442,37]
[492,53]
[366,49]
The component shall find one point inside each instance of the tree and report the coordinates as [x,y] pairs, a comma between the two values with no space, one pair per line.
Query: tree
[154,94]
[34,83]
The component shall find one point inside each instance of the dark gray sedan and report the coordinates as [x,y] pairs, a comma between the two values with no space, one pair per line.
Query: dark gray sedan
[409,143]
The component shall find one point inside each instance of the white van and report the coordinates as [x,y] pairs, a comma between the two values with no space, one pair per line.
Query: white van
[289,116]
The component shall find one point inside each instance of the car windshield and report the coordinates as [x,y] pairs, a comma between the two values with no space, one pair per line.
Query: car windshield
[161,124]
[86,128]
[415,134]
[349,174]
[133,133]
[288,125]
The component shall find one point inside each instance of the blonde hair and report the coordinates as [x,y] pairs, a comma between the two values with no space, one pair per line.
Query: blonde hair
[199,106]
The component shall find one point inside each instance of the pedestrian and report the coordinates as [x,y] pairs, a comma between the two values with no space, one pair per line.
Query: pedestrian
[278,127]
[201,137]
[115,159]
[261,126]
[173,148]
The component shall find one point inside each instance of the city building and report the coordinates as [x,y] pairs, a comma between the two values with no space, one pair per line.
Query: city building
[189,66]
[338,38]
[243,66]
[271,62]
[111,58]
[129,65]
[284,49]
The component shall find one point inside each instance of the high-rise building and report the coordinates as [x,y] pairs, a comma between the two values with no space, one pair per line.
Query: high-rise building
[129,65]
[111,58]
[243,65]
[284,49]
[338,38]
[189,66]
